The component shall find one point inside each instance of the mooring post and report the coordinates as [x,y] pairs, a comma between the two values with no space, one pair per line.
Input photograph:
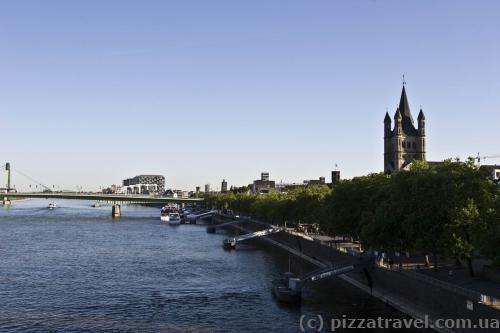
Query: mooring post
[115,211]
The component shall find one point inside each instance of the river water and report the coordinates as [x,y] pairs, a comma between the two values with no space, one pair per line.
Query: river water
[75,269]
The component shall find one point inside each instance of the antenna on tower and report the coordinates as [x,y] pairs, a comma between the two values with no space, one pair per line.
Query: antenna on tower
[404,82]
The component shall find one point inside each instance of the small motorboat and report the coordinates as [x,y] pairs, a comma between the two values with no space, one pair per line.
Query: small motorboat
[288,288]
[52,206]
[95,205]
[229,244]
[174,219]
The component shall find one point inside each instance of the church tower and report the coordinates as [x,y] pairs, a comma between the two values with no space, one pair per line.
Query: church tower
[404,143]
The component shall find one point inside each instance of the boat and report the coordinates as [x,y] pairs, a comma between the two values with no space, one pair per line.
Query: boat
[95,205]
[229,244]
[167,210]
[52,205]
[174,218]
[287,288]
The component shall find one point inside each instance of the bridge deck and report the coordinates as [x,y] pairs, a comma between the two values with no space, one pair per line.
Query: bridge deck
[101,197]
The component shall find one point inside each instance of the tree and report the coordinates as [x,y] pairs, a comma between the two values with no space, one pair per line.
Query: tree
[353,203]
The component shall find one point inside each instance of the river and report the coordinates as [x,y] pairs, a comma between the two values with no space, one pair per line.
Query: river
[75,269]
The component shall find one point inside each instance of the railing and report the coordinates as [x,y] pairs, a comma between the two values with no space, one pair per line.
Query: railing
[257,234]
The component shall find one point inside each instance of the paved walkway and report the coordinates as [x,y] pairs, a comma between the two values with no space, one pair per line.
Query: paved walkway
[461,278]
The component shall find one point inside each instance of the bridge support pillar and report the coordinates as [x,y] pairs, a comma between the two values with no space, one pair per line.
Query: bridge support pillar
[6,201]
[116,211]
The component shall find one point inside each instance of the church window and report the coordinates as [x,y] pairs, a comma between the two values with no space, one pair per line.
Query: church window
[408,144]
[414,145]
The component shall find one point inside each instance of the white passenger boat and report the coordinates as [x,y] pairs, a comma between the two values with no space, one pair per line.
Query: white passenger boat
[52,205]
[170,214]
[164,217]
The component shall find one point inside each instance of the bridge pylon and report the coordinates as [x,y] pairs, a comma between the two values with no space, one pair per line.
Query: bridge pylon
[7,168]
[6,201]
[116,211]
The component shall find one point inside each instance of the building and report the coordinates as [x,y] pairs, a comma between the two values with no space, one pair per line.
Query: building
[144,184]
[286,187]
[263,185]
[404,143]
[335,178]
[114,189]
[240,189]
[197,189]
[207,188]
[170,194]
[315,182]
[180,194]
[223,187]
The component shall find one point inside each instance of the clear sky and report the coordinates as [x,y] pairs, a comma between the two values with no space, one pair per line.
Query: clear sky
[92,92]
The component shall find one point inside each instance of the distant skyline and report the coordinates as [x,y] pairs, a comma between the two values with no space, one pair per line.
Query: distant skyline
[92,92]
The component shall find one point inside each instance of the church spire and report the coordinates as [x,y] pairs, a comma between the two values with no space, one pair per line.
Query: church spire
[404,106]
[421,115]
[387,119]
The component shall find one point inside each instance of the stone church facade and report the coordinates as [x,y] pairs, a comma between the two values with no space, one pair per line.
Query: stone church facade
[403,143]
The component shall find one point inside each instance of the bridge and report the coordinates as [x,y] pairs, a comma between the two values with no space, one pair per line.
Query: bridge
[230,243]
[195,217]
[115,199]
[327,272]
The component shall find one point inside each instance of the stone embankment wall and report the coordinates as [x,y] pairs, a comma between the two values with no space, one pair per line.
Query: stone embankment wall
[410,292]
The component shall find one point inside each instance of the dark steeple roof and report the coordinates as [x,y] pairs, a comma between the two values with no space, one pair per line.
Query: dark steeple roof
[404,106]
[421,115]
[387,119]
[397,115]
[404,109]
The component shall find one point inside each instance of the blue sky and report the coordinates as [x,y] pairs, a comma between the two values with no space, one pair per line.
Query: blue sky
[92,92]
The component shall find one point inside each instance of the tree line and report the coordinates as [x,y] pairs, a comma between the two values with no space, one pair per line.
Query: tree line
[449,209]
